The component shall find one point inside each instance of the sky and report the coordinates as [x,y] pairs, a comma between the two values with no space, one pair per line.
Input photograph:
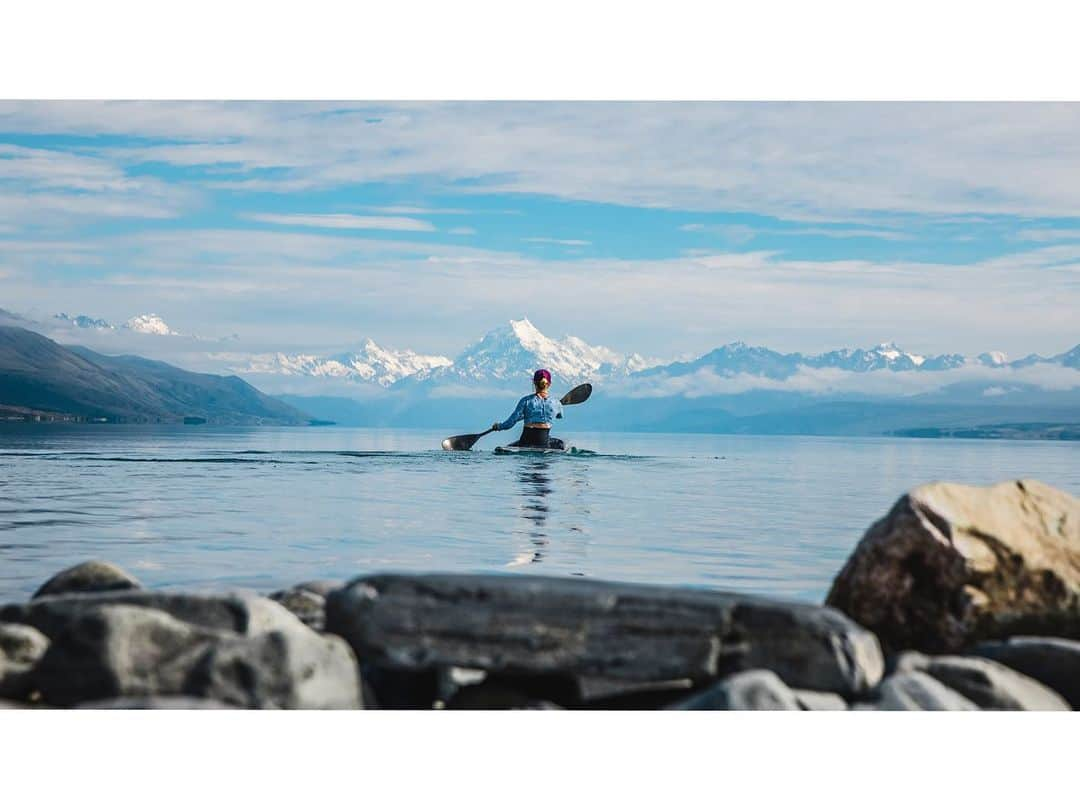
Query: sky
[663,228]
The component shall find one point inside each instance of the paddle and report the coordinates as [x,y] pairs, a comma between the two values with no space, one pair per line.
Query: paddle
[462,442]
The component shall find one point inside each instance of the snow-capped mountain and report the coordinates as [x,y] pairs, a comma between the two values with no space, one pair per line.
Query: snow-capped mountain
[512,352]
[143,324]
[740,358]
[372,363]
[84,321]
[150,324]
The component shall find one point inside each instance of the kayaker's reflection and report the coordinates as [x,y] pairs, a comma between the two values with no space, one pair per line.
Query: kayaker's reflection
[534,484]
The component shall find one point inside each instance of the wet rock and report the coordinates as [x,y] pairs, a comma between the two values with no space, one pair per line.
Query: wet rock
[917,691]
[991,685]
[757,690]
[1054,662]
[240,612]
[951,565]
[89,577]
[573,633]
[819,701]
[308,606]
[21,647]
[120,650]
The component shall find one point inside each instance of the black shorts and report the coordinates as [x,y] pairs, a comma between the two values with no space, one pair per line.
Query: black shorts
[538,437]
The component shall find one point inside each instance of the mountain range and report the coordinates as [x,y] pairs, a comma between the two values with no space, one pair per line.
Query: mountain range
[40,379]
[733,388]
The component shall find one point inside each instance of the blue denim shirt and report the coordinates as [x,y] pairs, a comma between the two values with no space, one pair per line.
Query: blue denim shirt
[535,410]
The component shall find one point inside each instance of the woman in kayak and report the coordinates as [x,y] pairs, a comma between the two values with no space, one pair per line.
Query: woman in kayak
[538,411]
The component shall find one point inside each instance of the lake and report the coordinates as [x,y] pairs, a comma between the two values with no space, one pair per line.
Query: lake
[263,508]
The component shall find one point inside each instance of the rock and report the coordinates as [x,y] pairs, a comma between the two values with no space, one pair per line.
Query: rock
[991,685]
[155,704]
[951,565]
[21,647]
[819,701]
[908,661]
[89,577]
[917,691]
[119,650]
[240,612]
[1054,662]
[575,634]
[308,606]
[755,690]
[280,670]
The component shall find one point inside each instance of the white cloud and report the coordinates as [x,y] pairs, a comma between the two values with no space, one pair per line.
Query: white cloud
[808,161]
[302,288]
[343,221]
[465,231]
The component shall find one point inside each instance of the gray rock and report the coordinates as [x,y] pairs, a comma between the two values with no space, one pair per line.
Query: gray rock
[991,685]
[280,670]
[819,701]
[757,690]
[575,633]
[21,647]
[88,577]
[1054,662]
[917,691]
[155,704]
[241,612]
[308,606]
[119,650]
[951,565]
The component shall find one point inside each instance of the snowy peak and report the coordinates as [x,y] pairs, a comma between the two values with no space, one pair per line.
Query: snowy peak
[993,359]
[373,363]
[150,324]
[515,350]
[143,324]
[84,321]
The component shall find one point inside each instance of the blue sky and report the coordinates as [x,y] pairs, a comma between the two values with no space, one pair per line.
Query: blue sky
[666,228]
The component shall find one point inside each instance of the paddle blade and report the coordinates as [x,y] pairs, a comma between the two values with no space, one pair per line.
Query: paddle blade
[577,395]
[460,442]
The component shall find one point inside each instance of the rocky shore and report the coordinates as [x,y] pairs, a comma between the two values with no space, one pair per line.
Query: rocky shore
[960,598]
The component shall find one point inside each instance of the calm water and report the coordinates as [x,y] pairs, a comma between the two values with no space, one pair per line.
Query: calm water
[266,507]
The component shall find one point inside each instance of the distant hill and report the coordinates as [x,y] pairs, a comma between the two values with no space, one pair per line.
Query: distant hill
[39,377]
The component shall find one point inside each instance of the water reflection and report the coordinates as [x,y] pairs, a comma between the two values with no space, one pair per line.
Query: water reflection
[534,486]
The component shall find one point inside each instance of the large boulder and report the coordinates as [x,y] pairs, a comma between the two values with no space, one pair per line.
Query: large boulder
[990,685]
[918,691]
[118,650]
[21,647]
[240,612]
[950,565]
[1054,662]
[88,577]
[576,641]
[754,690]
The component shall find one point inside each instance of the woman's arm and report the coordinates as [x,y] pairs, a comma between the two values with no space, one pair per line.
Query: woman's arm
[515,417]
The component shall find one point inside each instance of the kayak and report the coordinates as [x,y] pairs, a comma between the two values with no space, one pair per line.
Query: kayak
[540,451]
